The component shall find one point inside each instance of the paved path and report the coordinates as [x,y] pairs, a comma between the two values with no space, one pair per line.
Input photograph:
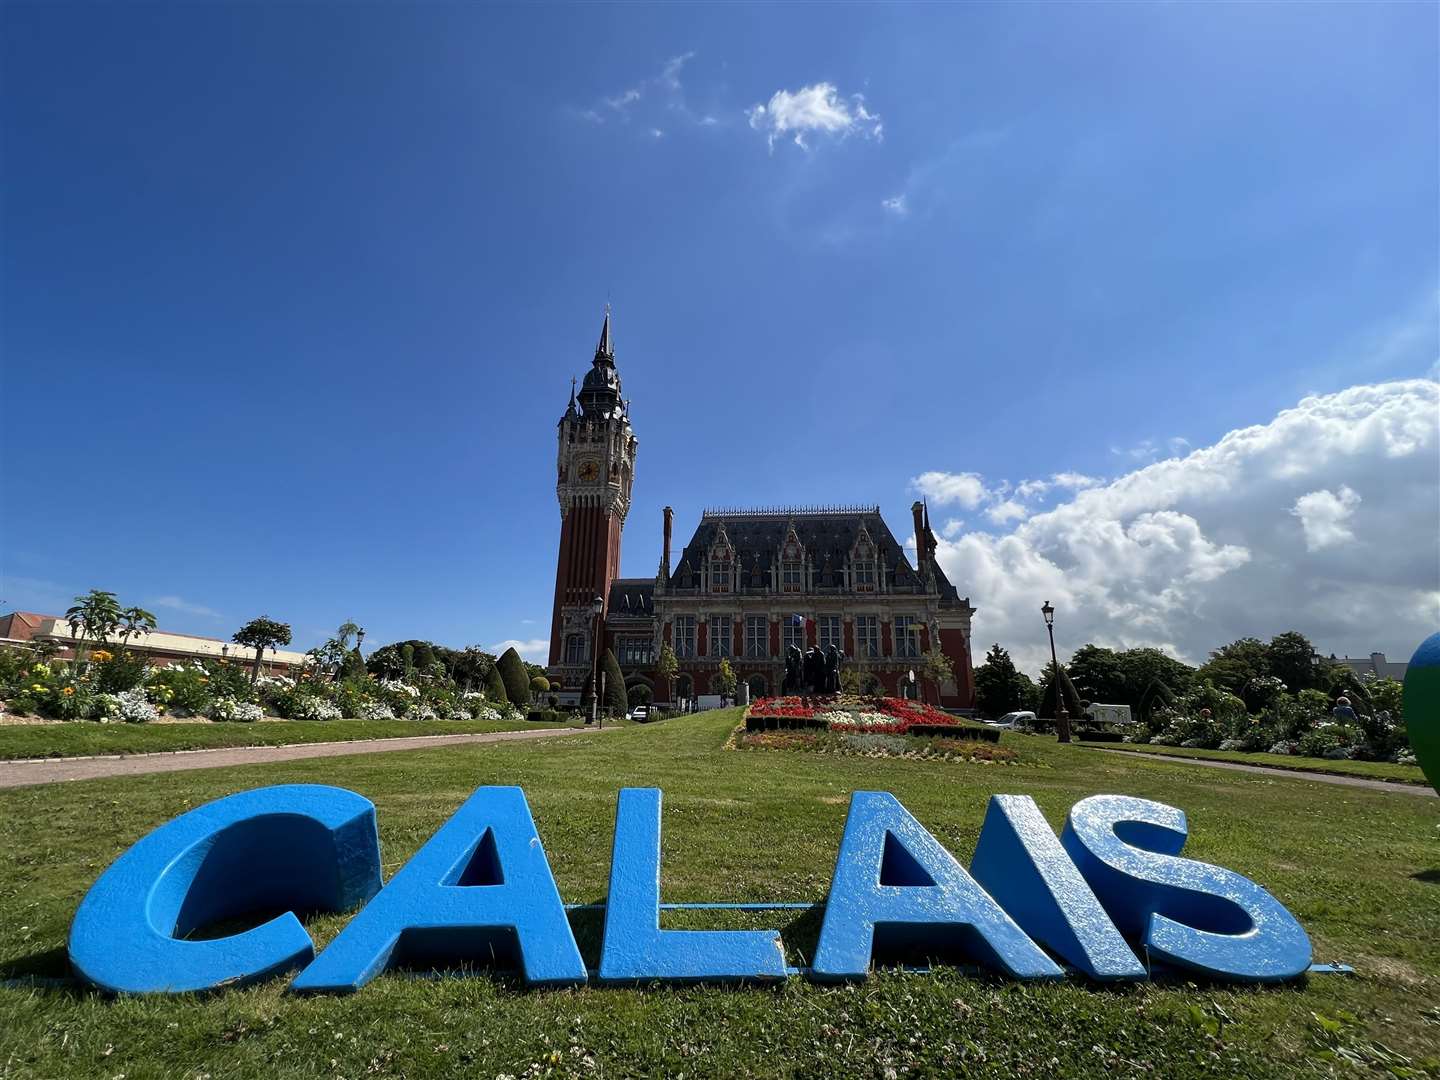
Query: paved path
[49,771]
[1293,774]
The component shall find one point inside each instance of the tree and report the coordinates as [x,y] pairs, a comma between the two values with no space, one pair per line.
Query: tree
[94,617]
[723,681]
[1098,674]
[1294,661]
[539,684]
[261,634]
[1140,667]
[998,686]
[472,666]
[1231,666]
[849,681]
[348,632]
[667,667]
[616,702]
[935,668]
[134,621]
[517,682]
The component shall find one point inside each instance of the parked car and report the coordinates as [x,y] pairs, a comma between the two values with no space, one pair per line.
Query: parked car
[640,713]
[1012,720]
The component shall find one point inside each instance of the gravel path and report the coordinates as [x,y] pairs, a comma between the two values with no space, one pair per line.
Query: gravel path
[52,770]
[1293,774]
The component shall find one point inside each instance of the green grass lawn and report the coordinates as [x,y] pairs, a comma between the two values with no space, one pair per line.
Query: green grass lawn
[1359,868]
[82,737]
[1371,770]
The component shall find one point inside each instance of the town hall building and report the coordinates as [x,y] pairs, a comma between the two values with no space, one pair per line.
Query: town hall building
[749,584]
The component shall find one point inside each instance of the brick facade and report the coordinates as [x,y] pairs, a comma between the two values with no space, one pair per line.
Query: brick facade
[804,576]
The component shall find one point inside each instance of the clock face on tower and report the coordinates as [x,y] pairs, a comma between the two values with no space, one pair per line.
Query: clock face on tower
[589,472]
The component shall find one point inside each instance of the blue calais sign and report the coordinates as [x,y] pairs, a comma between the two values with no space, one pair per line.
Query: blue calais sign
[1111,898]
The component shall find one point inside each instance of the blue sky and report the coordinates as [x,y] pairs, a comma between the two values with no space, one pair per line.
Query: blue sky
[292,295]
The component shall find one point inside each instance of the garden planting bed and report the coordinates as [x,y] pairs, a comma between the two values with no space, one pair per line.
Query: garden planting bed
[852,713]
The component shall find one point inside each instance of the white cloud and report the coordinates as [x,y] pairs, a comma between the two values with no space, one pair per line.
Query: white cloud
[649,99]
[1073,480]
[814,110]
[1006,511]
[942,488]
[1323,515]
[951,528]
[536,650]
[670,73]
[1029,489]
[176,603]
[623,101]
[896,206]
[1189,553]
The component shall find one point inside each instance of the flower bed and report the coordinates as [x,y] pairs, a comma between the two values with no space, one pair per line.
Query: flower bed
[874,715]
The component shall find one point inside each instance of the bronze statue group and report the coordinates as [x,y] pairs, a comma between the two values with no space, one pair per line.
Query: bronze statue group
[812,672]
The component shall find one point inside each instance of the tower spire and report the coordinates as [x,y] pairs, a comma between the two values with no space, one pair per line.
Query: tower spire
[606,348]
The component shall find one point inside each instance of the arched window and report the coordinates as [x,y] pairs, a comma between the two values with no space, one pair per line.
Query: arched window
[722,563]
[575,649]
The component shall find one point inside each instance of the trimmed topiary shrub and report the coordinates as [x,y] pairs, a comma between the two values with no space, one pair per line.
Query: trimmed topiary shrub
[517,682]
[616,702]
[495,687]
[540,685]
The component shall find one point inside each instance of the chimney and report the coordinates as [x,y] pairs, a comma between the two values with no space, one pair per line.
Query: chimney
[669,523]
[917,511]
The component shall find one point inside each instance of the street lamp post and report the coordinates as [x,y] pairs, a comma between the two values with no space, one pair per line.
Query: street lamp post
[1062,718]
[597,607]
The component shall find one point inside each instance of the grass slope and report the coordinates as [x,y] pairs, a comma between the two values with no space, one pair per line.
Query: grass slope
[83,737]
[1359,868]
[1370,770]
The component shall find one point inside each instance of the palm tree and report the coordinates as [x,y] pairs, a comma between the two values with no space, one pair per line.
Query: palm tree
[347,631]
[134,622]
[93,616]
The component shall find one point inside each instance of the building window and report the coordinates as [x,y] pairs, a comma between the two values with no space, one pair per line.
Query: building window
[719,635]
[720,575]
[757,636]
[867,635]
[865,576]
[575,649]
[794,633]
[685,636]
[907,636]
[791,576]
[636,651]
[830,632]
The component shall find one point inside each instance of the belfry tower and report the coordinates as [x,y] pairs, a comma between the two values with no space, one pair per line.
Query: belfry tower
[595,468]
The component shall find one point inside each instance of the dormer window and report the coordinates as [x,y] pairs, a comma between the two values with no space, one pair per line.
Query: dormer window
[791,576]
[722,564]
[792,565]
[719,575]
[863,565]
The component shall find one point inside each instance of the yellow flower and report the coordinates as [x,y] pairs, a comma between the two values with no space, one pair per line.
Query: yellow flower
[38,688]
[39,669]
[101,655]
[68,691]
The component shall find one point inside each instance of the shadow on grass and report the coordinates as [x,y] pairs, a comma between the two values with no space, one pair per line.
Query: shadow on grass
[1429,877]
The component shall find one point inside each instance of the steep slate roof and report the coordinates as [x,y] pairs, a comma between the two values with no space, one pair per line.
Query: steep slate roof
[827,534]
[631,598]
